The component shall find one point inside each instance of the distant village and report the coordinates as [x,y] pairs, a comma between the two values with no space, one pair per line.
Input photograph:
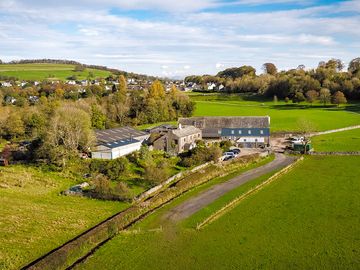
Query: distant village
[109,84]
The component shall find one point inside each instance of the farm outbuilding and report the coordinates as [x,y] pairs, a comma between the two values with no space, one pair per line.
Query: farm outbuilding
[117,142]
[247,131]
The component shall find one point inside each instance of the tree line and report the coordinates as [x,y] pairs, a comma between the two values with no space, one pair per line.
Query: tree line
[294,84]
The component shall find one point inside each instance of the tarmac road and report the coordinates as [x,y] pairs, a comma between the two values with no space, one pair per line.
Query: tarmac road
[194,204]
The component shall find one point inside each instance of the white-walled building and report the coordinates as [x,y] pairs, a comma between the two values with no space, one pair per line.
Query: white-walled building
[117,142]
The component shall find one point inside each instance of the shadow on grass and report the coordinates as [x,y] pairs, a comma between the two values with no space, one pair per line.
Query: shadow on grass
[355,108]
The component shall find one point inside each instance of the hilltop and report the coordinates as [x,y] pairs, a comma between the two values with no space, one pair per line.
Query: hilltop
[52,69]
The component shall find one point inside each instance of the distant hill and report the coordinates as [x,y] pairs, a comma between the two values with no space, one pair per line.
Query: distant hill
[52,69]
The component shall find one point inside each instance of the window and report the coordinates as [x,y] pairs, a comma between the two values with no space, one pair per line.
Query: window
[239,131]
[256,140]
[261,132]
[249,131]
[244,140]
[219,131]
[232,131]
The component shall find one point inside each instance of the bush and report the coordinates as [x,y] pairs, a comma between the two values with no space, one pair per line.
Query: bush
[113,169]
[155,174]
[225,145]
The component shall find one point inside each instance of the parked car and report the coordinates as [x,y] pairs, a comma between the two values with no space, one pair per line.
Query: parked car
[231,154]
[236,151]
[227,158]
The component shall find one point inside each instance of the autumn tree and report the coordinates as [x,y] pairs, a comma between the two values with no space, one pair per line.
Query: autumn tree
[324,95]
[269,68]
[157,90]
[122,86]
[14,126]
[311,96]
[338,98]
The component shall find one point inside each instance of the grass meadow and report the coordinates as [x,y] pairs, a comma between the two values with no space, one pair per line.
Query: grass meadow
[284,116]
[340,141]
[35,218]
[42,71]
[307,219]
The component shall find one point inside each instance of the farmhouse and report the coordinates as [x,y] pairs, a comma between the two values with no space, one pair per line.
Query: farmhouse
[248,131]
[176,141]
[117,142]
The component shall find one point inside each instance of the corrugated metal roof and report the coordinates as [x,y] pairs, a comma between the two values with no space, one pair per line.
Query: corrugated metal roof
[118,134]
[119,143]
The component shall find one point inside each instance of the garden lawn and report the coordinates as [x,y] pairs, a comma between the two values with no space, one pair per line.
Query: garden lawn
[42,71]
[340,141]
[306,219]
[34,218]
[284,117]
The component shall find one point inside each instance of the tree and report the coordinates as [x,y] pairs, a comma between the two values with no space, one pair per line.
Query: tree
[354,65]
[324,95]
[122,86]
[69,132]
[157,90]
[14,126]
[269,68]
[98,119]
[311,96]
[338,98]
[298,97]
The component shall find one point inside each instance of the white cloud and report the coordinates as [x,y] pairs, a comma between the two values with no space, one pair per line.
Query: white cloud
[219,65]
[187,42]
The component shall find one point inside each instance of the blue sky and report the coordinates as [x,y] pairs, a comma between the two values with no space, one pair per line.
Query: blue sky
[178,38]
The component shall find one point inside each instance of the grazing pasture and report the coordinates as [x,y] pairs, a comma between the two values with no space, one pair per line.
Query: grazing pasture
[284,117]
[339,141]
[306,219]
[35,218]
[42,71]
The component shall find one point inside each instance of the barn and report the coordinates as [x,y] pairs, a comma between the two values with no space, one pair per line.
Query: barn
[117,142]
[247,131]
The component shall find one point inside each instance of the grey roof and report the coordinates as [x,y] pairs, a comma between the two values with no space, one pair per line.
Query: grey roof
[119,143]
[118,134]
[186,131]
[227,122]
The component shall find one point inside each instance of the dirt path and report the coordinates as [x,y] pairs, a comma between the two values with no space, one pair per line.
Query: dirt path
[334,130]
[203,199]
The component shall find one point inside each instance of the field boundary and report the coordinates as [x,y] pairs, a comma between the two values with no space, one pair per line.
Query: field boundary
[335,153]
[333,131]
[237,200]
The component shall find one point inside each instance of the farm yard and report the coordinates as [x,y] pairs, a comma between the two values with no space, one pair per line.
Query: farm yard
[40,71]
[312,212]
[340,141]
[35,218]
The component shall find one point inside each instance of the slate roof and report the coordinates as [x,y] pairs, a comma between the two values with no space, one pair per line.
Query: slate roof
[186,131]
[227,122]
[118,134]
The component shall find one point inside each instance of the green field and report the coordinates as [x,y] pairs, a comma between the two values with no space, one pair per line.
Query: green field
[35,218]
[340,141]
[47,71]
[307,219]
[284,117]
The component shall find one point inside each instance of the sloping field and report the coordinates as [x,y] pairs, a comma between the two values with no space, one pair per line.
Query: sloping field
[35,218]
[307,219]
[42,71]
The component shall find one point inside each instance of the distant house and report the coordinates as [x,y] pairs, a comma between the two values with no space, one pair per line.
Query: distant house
[117,142]
[10,100]
[211,86]
[6,84]
[71,82]
[178,140]
[248,131]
